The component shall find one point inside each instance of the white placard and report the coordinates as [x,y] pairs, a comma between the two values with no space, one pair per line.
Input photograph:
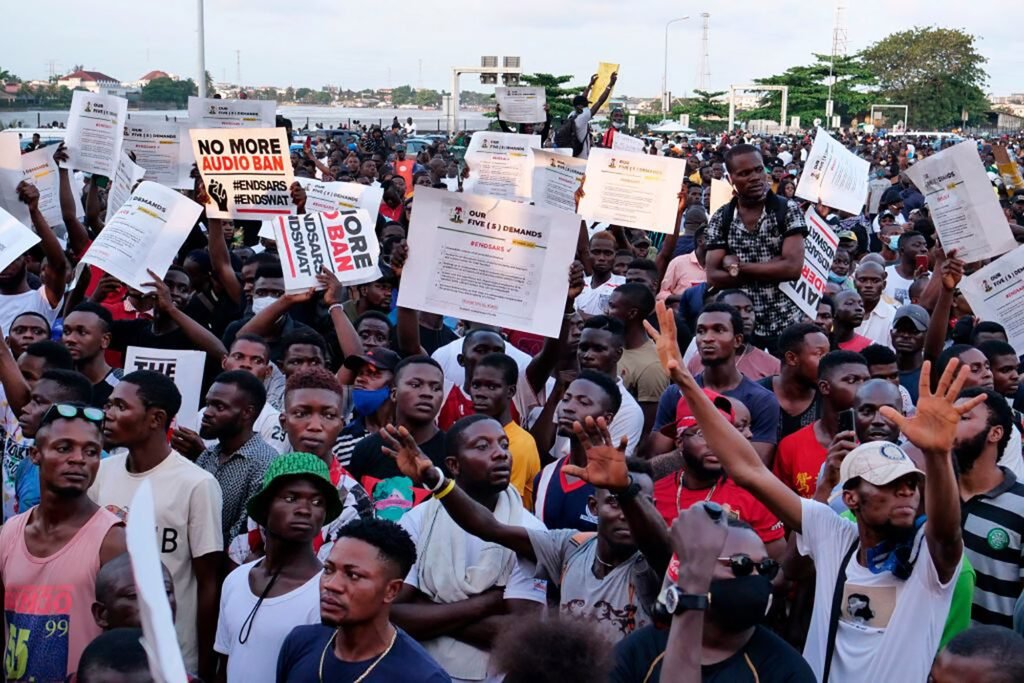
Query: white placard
[521,104]
[185,368]
[627,143]
[500,165]
[721,194]
[819,250]
[489,260]
[632,190]
[213,113]
[324,197]
[95,132]
[343,241]
[834,176]
[996,292]
[164,149]
[15,240]
[145,233]
[963,206]
[124,181]
[556,178]
[247,172]
[38,168]
[159,637]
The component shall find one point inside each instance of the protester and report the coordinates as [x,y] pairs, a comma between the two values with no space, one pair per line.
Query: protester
[117,595]
[802,346]
[982,653]
[86,333]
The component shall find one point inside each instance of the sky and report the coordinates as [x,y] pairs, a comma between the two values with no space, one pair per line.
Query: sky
[380,44]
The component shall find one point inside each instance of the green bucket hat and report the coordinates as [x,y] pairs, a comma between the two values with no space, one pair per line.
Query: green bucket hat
[295,465]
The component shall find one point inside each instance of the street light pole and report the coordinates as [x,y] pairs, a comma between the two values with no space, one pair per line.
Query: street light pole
[202,52]
[664,74]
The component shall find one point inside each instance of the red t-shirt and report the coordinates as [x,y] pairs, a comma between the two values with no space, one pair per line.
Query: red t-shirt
[457,406]
[857,343]
[798,461]
[669,498]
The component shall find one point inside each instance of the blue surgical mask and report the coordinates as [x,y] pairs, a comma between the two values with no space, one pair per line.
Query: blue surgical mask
[793,172]
[894,242]
[836,279]
[367,401]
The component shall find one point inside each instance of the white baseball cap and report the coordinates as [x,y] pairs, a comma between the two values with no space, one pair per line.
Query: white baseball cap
[876,462]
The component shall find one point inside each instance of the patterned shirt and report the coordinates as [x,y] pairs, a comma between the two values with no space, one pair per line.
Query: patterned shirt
[240,478]
[773,310]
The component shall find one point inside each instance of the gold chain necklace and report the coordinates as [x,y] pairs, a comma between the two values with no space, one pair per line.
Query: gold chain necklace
[382,655]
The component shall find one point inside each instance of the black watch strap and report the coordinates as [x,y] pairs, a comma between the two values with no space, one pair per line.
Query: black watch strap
[630,492]
[691,601]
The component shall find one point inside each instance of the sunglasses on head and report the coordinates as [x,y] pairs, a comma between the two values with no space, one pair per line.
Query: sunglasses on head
[70,411]
[742,565]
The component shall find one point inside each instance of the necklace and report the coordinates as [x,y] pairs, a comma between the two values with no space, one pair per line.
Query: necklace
[602,562]
[679,492]
[382,655]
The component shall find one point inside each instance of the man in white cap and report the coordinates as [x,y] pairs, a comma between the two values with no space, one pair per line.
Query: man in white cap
[884,584]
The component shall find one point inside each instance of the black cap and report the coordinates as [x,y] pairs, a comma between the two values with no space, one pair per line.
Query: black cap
[379,357]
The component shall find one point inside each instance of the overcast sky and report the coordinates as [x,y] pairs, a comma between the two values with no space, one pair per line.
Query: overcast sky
[377,44]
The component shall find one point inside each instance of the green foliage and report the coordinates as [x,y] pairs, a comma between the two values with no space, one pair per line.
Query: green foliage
[559,98]
[169,90]
[937,72]
[852,94]
[7,77]
[421,97]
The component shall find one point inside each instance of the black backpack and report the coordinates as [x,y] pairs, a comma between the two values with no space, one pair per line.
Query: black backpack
[772,201]
[565,136]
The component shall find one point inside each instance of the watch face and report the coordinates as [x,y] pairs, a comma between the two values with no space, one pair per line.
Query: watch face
[671,599]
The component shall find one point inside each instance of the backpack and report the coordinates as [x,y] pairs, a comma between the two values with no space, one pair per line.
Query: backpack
[565,136]
[772,202]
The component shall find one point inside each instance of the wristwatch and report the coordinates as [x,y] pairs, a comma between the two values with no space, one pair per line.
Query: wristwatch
[677,602]
[631,491]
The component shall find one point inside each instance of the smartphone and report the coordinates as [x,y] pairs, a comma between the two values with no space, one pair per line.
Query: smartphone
[846,420]
[921,261]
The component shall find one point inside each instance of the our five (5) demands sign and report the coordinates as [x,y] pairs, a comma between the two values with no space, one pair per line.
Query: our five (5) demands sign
[344,242]
[819,250]
[246,172]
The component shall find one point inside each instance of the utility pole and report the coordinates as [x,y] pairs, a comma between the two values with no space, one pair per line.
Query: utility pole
[201,30]
[838,50]
[419,79]
[238,68]
[704,63]
[666,103]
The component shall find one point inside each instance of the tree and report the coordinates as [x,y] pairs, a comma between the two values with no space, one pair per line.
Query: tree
[852,93]
[7,77]
[936,72]
[403,94]
[169,90]
[302,93]
[704,105]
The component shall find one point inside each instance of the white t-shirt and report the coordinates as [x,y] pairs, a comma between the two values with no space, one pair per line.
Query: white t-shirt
[594,301]
[255,660]
[886,624]
[447,357]
[188,503]
[32,301]
[581,126]
[897,286]
[628,422]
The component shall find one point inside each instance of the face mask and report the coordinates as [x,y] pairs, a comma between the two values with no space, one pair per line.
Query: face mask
[260,303]
[739,603]
[617,124]
[837,279]
[367,401]
[894,242]
[793,172]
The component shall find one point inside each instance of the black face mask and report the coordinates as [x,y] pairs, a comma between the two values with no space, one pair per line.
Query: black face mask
[737,604]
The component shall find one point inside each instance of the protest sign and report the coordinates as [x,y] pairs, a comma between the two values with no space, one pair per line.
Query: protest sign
[834,176]
[39,169]
[721,194]
[487,260]
[95,132]
[145,233]
[185,368]
[604,77]
[819,249]
[213,113]
[121,185]
[627,143]
[162,148]
[996,292]
[247,172]
[521,104]
[345,242]
[556,179]
[15,239]
[963,207]
[324,197]
[1008,169]
[160,640]
[633,190]
[500,165]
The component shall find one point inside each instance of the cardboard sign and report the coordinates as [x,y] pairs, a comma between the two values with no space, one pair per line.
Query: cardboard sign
[834,176]
[162,148]
[344,242]
[247,172]
[521,104]
[604,77]
[214,113]
[95,132]
[819,249]
[185,368]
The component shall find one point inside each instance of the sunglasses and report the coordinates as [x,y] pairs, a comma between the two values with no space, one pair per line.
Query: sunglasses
[742,565]
[70,411]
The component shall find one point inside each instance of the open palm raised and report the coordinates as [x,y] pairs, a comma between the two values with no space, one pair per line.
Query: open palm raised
[606,464]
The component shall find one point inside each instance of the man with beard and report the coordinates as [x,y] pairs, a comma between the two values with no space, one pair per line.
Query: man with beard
[240,457]
[992,507]
[356,639]
[16,297]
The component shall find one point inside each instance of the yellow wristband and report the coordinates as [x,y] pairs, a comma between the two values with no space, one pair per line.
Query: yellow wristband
[446,490]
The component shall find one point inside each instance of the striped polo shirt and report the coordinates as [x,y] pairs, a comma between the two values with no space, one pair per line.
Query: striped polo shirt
[993,528]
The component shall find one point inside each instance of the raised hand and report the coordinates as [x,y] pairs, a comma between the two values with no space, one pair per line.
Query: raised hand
[933,428]
[298,194]
[60,155]
[29,194]
[408,457]
[576,283]
[606,464]
[187,442]
[107,285]
[665,342]
[331,284]
[579,194]
[952,270]
[399,257]
[162,293]
[698,536]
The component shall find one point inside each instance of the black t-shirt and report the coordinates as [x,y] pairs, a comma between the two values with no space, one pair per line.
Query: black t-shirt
[300,657]
[793,423]
[212,311]
[276,347]
[392,493]
[766,658]
[430,339]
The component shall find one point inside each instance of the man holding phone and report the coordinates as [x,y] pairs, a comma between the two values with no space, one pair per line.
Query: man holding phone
[912,250]
[800,455]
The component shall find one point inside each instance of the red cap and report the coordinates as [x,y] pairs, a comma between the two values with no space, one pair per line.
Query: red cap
[686,419]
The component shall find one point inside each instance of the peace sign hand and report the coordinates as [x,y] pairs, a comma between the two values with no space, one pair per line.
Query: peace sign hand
[665,342]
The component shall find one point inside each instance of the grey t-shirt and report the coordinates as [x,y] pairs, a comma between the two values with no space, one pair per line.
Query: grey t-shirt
[618,604]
